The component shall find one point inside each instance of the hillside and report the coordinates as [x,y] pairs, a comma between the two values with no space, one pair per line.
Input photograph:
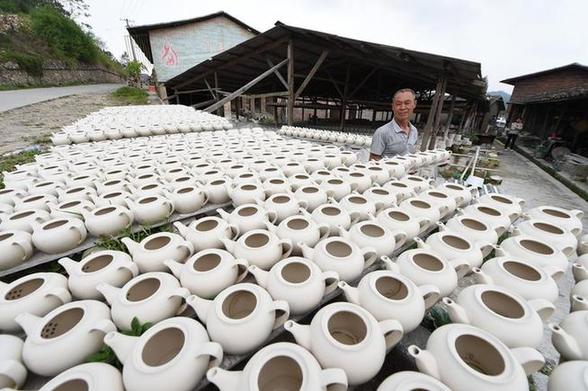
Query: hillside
[34,33]
[505,95]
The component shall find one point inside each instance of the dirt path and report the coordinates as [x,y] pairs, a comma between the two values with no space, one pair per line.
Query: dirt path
[34,124]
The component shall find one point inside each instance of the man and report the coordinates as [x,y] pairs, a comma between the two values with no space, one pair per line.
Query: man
[513,133]
[399,136]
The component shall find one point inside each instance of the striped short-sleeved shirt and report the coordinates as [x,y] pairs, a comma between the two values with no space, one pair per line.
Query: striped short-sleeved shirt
[390,140]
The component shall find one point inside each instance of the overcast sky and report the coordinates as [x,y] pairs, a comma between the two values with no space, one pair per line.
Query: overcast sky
[508,37]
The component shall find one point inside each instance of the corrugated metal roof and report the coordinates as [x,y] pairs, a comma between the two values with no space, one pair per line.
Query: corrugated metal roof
[396,67]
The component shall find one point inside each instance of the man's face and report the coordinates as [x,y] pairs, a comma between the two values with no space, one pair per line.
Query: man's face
[403,106]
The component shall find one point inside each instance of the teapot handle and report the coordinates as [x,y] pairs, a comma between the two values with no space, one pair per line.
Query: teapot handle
[393,332]
[369,255]
[61,294]
[241,265]
[170,206]
[282,312]
[212,349]
[286,247]
[128,214]
[333,378]
[400,237]
[24,247]
[331,279]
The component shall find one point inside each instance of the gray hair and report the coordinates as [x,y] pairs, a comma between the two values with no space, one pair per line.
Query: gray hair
[400,91]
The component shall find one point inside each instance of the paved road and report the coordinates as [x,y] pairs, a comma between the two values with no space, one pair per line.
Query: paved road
[17,98]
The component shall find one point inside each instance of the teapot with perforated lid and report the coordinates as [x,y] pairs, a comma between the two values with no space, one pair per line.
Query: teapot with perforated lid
[36,293]
[241,317]
[467,358]
[346,336]
[280,366]
[172,355]
[64,337]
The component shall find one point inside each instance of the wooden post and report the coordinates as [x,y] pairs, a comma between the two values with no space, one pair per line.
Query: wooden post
[237,107]
[427,133]
[438,114]
[344,100]
[276,110]
[449,117]
[374,115]
[291,91]
[312,72]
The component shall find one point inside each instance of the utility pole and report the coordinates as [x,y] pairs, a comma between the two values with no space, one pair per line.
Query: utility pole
[130,38]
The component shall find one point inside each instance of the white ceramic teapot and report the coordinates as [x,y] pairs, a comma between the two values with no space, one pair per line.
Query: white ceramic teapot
[77,193]
[569,337]
[463,195]
[337,187]
[425,267]
[23,220]
[187,199]
[297,281]
[241,317]
[534,251]
[418,207]
[64,337]
[74,208]
[259,247]
[93,376]
[512,319]
[381,197]
[208,272]
[409,380]
[112,267]
[467,358]
[340,255]
[300,228]
[206,232]
[276,185]
[396,218]
[473,229]
[150,209]
[522,277]
[151,297]
[282,205]
[15,248]
[453,246]
[172,355]
[417,183]
[401,190]
[12,371]
[346,336]
[246,193]
[217,191]
[375,235]
[359,204]
[332,216]
[248,217]
[150,253]
[445,202]
[509,205]
[492,217]
[389,295]
[569,376]
[36,293]
[59,235]
[35,201]
[280,366]
[548,233]
[108,220]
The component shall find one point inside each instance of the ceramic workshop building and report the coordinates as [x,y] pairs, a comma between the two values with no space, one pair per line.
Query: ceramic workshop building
[174,47]
[554,101]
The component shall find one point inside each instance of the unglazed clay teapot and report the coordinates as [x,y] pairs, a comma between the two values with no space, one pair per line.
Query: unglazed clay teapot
[58,235]
[280,366]
[12,371]
[187,199]
[570,220]
[150,253]
[514,320]
[332,216]
[300,228]
[241,317]
[206,232]
[473,229]
[467,358]
[283,205]
[298,281]
[259,247]
[389,295]
[15,248]
[509,205]
[491,216]
[375,235]
[409,381]
[112,267]
[462,194]
[571,375]
[454,246]
[151,297]
[108,220]
[248,217]
[208,272]
[548,233]
[569,337]
[172,355]
[346,336]
[36,293]
[534,251]
[95,376]
[150,209]
[521,277]
[340,255]
[64,337]
[396,219]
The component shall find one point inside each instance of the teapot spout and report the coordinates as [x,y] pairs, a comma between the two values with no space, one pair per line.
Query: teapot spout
[108,291]
[425,361]
[28,322]
[131,245]
[225,380]
[223,214]
[456,312]
[71,267]
[261,276]
[351,293]
[182,229]
[175,267]
[200,305]
[300,332]
[121,344]
[565,344]
[228,243]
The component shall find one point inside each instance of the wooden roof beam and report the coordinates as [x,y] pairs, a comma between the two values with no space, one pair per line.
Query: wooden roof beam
[310,75]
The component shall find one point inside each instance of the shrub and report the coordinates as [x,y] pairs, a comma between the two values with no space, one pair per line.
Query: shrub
[30,63]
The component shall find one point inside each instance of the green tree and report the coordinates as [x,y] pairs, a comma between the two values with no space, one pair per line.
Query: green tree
[134,69]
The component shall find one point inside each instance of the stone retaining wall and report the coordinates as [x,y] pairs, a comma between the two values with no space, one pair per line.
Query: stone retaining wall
[57,73]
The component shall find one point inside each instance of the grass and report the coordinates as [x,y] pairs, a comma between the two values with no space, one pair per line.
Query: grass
[8,163]
[131,96]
